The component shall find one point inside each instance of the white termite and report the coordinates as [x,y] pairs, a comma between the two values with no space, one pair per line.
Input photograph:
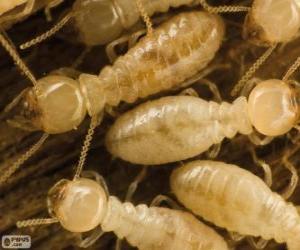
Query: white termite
[83,204]
[237,200]
[176,51]
[180,127]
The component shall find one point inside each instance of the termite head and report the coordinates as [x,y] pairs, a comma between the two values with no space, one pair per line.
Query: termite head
[97,21]
[56,105]
[79,205]
[273,107]
[272,21]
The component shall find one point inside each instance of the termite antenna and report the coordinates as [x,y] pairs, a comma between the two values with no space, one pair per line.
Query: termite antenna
[292,69]
[48,33]
[36,222]
[11,170]
[145,17]
[17,59]
[223,8]
[95,120]
[252,70]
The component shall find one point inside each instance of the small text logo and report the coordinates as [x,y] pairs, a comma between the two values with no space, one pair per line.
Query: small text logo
[16,241]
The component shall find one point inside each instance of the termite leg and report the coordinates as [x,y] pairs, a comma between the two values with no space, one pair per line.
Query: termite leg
[110,48]
[213,151]
[236,237]
[256,139]
[91,239]
[202,74]
[213,88]
[111,111]
[48,8]
[287,193]
[134,37]
[259,244]
[266,167]
[159,199]
[249,86]
[129,39]
[133,186]
[97,177]
[189,92]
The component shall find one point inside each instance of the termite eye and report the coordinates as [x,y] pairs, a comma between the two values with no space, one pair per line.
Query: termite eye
[58,106]
[272,21]
[272,108]
[97,22]
[79,205]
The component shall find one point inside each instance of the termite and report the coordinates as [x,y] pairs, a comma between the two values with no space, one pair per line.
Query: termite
[102,21]
[236,199]
[175,128]
[83,204]
[173,53]
[268,23]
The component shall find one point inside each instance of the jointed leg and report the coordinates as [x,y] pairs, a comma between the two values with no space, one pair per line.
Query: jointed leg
[287,193]
[131,40]
[162,198]
[133,186]
[259,244]
[256,140]
[266,167]
[213,151]
[48,8]
[91,239]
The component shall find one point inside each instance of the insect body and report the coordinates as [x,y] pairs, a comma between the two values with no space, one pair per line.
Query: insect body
[175,51]
[82,205]
[175,128]
[237,200]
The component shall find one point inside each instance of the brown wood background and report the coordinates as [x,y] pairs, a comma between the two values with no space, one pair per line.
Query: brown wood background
[24,195]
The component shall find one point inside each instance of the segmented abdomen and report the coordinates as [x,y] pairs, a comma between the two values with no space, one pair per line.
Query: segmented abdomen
[159,228]
[176,51]
[175,128]
[235,199]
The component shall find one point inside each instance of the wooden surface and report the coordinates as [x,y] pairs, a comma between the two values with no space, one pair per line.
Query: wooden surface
[24,195]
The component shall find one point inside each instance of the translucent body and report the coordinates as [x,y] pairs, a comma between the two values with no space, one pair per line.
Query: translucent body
[175,51]
[79,205]
[175,128]
[6,6]
[272,108]
[237,200]
[102,21]
[272,21]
